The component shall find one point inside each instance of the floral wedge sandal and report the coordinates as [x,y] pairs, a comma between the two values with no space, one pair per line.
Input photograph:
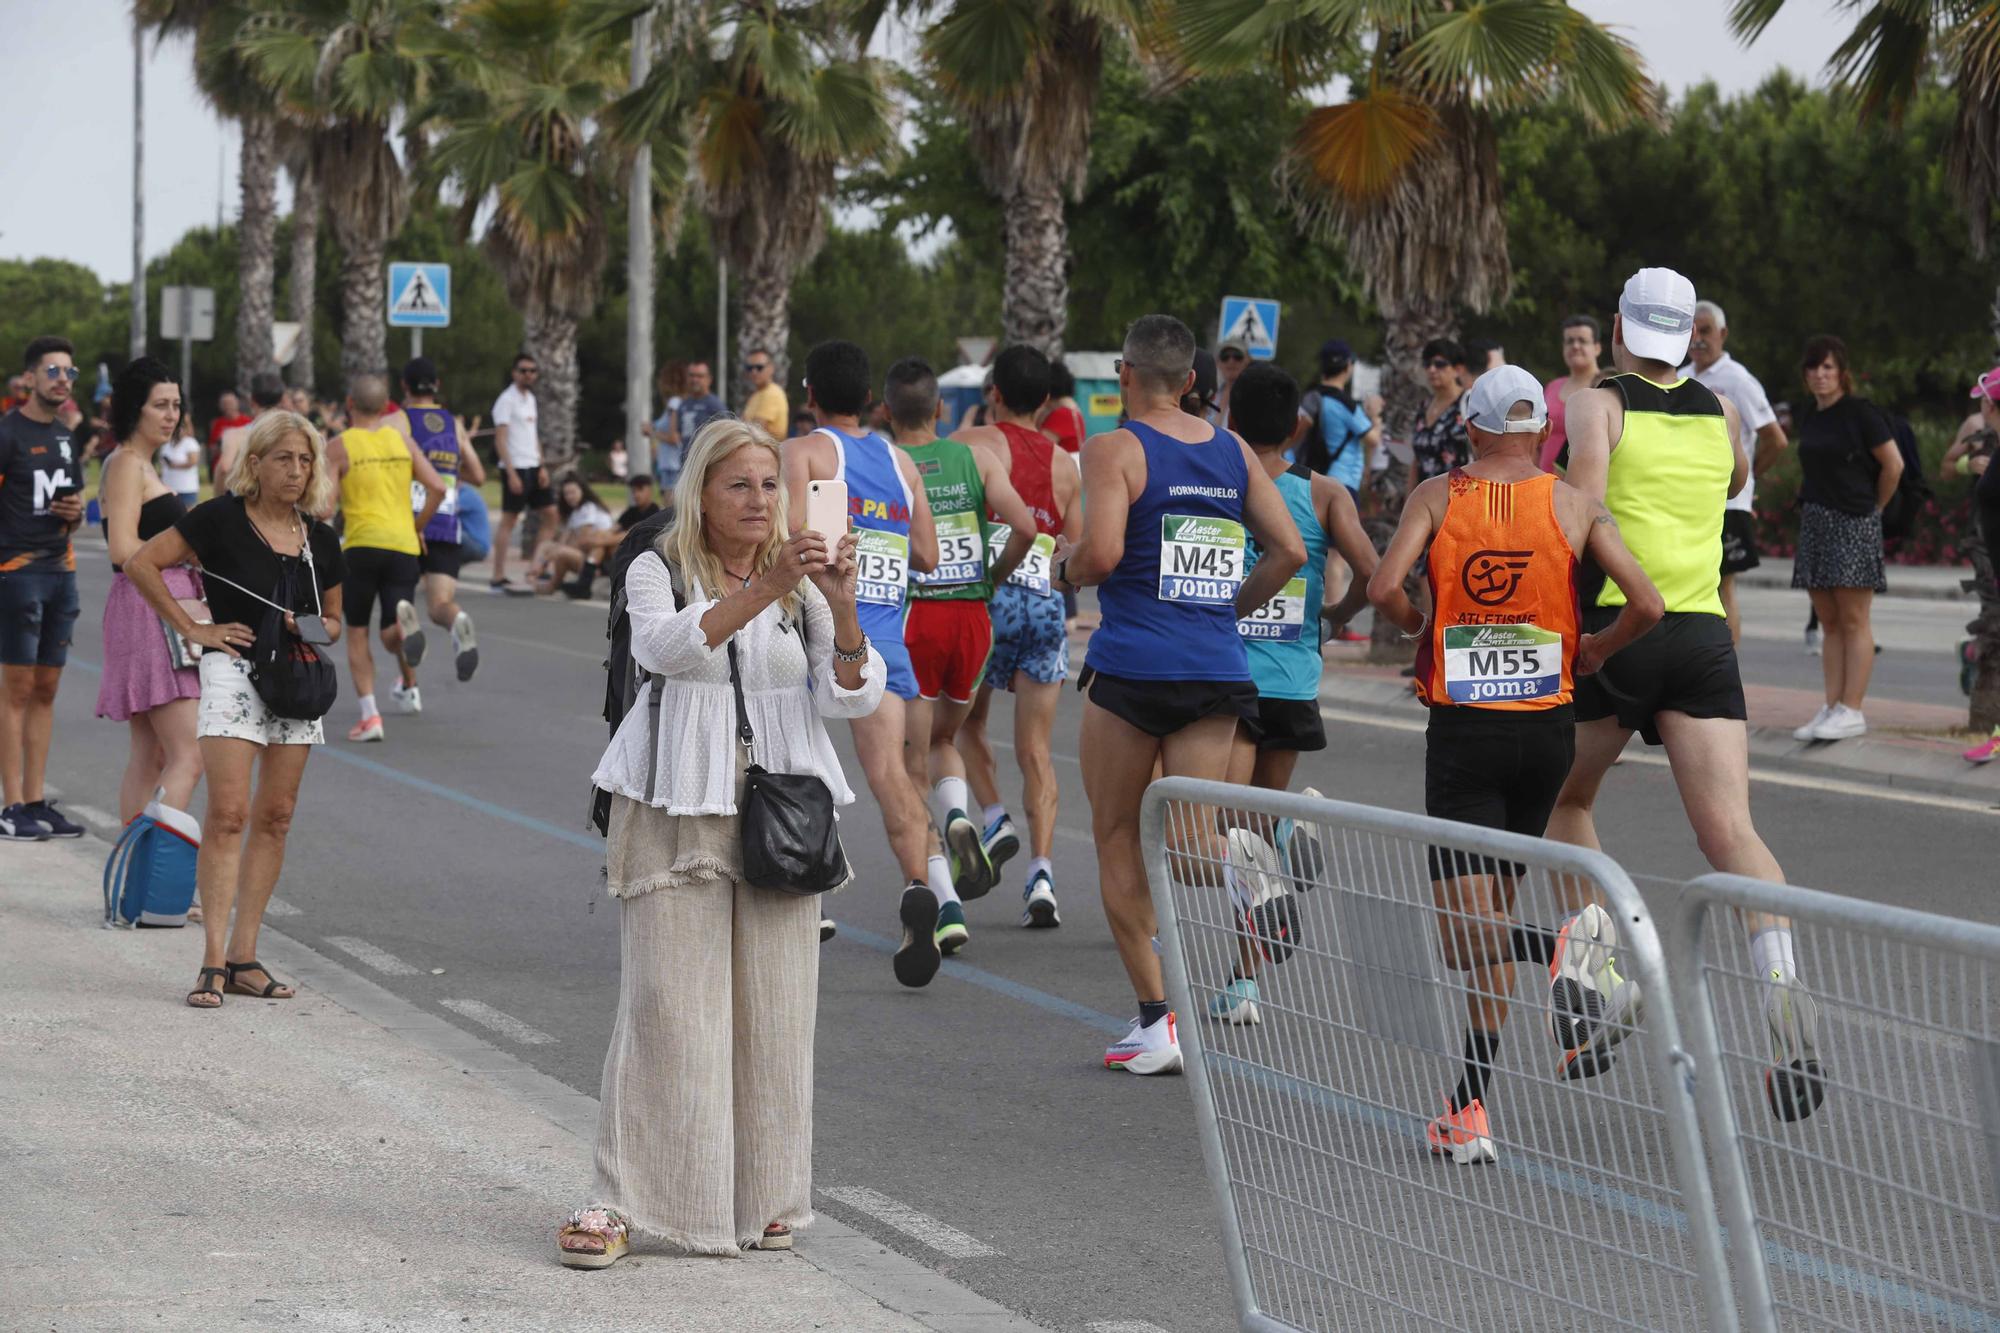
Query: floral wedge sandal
[592,1238]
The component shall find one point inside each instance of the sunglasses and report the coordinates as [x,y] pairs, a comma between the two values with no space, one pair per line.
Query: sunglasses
[1232,356]
[62,373]
[757,365]
[1437,363]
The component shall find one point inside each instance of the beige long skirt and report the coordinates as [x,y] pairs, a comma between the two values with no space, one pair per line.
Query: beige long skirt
[704,1136]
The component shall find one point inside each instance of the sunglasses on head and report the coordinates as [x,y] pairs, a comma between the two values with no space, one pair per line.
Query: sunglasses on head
[61,373]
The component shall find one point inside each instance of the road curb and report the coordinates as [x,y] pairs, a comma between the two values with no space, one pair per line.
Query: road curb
[1908,589]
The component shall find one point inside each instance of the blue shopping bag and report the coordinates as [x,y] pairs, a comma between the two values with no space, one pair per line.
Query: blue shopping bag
[149,879]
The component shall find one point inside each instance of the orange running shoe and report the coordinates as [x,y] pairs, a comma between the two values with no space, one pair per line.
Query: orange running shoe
[1464,1134]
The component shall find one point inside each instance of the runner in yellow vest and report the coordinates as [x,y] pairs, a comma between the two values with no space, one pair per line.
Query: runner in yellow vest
[376,465]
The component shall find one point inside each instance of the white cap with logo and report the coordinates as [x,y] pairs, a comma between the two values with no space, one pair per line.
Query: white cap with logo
[1491,400]
[1656,312]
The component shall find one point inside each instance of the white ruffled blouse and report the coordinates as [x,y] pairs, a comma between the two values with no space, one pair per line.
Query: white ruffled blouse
[697,772]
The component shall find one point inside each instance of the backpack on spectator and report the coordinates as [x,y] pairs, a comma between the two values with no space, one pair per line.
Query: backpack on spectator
[1913,492]
[622,675]
[149,879]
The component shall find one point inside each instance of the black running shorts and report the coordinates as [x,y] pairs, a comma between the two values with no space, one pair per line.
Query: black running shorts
[1496,768]
[533,494]
[1163,707]
[375,573]
[1684,664]
[444,558]
[1286,724]
[1739,541]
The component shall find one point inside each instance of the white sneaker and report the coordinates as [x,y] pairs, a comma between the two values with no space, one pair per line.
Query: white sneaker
[1591,1006]
[408,702]
[1153,1050]
[1805,733]
[1038,904]
[1262,896]
[413,633]
[1812,643]
[465,645]
[1841,723]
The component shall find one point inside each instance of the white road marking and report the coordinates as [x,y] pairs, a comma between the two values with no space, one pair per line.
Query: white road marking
[1123,1326]
[90,814]
[379,959]
[279,907]
[1806,782]
[948,1241]
[505,1024]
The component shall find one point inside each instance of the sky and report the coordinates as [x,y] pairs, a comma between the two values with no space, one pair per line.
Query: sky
[68,93]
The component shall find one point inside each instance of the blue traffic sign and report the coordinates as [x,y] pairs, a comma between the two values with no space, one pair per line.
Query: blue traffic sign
[419,296]
[1253,321]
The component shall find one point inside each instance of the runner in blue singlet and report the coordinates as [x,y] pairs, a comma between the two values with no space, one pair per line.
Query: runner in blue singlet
[888,509]
[1170,507]
[441,437]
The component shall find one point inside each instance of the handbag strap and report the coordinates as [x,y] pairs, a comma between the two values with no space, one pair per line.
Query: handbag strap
[305,552]
[743,732]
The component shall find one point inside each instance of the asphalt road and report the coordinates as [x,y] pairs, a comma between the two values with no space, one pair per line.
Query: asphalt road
[450,863]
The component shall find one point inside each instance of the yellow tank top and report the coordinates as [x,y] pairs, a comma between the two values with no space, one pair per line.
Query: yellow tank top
[375,493]
[1668,483]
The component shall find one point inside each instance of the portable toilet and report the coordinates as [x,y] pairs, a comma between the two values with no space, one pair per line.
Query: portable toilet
[1096,389]
[959,391]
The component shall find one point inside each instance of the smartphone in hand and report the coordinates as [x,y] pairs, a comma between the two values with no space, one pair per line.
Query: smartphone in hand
[312,629]
[826,509]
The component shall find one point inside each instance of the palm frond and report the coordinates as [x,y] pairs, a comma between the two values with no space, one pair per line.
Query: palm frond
[1360,150]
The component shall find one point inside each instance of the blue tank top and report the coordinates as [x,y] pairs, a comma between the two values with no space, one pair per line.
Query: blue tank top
[878,499]
[1282,636]
[437,435]
[1169,608]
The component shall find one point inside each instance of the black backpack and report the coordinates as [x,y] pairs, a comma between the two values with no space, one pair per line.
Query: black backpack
[1913,492]
[622,675]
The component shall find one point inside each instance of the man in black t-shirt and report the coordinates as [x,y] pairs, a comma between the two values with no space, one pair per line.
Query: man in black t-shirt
[41,501]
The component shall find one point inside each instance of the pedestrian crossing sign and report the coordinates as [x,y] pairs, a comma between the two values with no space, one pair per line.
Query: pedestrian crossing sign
[419,296]
[1252,321]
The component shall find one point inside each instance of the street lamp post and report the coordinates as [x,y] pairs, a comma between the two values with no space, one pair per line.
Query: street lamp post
[639,276]
[137,344]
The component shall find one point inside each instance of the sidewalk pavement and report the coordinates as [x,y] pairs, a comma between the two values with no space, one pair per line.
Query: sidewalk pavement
[1906,746]
[1938,582]
[292,1162]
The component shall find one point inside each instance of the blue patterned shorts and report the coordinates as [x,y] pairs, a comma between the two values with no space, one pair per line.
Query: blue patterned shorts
[1028,636]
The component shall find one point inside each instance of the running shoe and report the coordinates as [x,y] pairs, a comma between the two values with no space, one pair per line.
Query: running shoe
[951,934]
[1351,636]
[413,634]
[1302,853]
[17,825]
[1794,1085]
[1263,899]
[971,872]
[59,825]
[367,729]
[1812,641]
[827,929]
[1805,733]
[1986,751]
[1002,843]
[1038,911]
[1841,723]
[465,645]
[1236,1003]
[1462,1135]
[409,702]
[1591,1007]
[1153,1050]
[918,959]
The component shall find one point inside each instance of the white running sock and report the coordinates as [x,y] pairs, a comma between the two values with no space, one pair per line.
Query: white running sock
[940,876]
[1771,952]
[1041,865]
[368,708]
[947,795]
[992,814]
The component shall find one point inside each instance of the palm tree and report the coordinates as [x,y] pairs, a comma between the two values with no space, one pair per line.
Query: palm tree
[224,80]
[521,83]
[763,104]
[304,276]
[1025,74]
[348,68]
[1884,61]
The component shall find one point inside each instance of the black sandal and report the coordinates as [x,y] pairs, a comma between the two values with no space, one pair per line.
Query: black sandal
[271,986]
[205,989]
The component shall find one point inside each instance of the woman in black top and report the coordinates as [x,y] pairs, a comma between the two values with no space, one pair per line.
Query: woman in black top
[1851,466]
[1438,442]
[256,542]
[143,683]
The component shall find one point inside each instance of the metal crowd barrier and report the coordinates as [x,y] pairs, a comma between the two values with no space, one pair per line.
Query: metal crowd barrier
[1880,1209]
[1598,1210]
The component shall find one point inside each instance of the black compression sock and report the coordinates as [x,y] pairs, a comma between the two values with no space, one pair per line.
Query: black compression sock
[1479,1049]
[1151,1012]
[1532,944]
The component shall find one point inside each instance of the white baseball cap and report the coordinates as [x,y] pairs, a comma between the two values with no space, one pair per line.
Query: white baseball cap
[1497,393]
[1657,309]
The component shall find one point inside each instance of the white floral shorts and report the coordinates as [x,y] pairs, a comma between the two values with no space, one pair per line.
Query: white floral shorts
[230,706]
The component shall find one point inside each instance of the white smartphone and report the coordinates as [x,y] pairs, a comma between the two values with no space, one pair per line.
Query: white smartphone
[826,509]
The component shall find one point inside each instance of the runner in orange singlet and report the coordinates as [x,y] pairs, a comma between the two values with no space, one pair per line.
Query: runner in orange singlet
[1496,665]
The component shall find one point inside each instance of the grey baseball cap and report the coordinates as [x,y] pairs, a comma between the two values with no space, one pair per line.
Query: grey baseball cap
[1494,395]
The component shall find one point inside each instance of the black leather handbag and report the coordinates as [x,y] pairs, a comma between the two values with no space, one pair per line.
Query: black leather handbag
[791,842]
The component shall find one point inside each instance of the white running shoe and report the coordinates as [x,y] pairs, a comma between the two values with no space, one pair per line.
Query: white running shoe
[1038,910]
[1812,641]
[1840,724]
[1805,733]
[465,645]
[408,702]
[413,633]
[367,729]
[1153,1050]
[1263,899]
[1236,1003]
[1794,1085]
[1591,1007]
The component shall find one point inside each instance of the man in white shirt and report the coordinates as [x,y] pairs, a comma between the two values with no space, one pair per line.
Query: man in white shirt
[1760,435]
[517,441]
